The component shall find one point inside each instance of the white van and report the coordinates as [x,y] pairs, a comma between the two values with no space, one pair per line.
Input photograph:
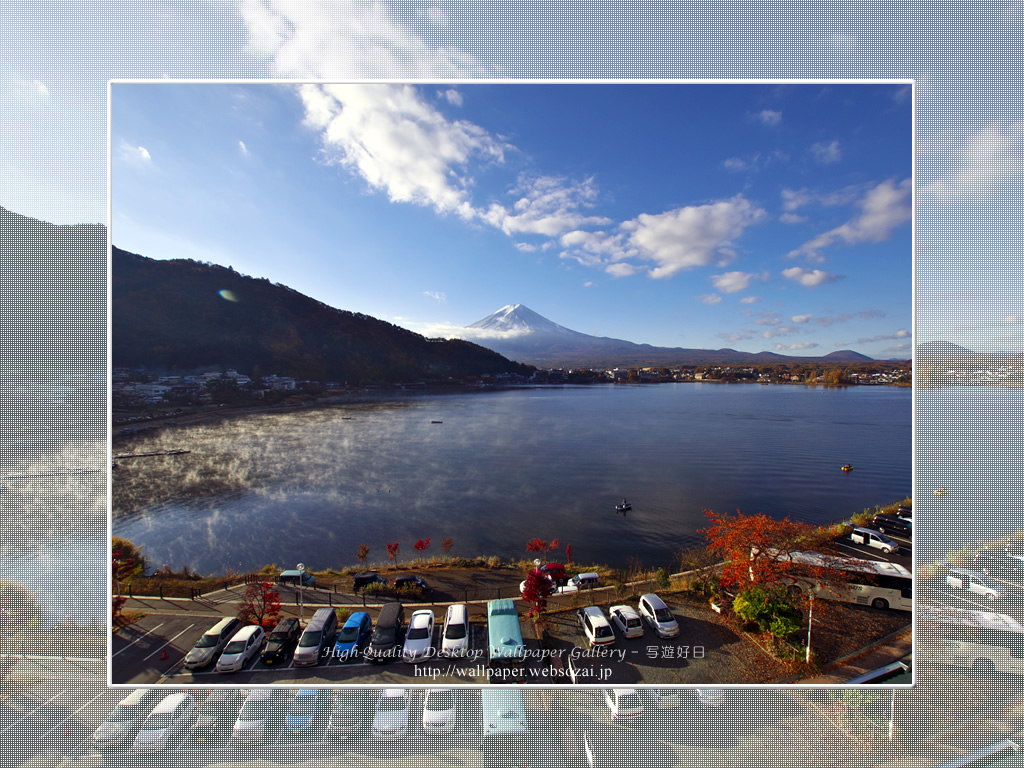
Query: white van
[317,639]
[972,581]
[623,702]
[166,723]
[585,580]
[124,720]
[455,633]
[244,646]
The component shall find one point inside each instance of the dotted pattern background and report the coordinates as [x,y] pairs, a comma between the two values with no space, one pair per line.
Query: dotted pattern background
[53,166]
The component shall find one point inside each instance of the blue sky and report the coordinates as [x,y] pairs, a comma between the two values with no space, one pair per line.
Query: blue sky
[753,216]
[56,59]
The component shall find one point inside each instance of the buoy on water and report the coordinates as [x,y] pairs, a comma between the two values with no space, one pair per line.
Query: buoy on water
[846,467]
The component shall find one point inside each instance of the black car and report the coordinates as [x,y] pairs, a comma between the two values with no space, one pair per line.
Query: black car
[904,511]
[281,642]
[366,579]
[217,714]
[997,563]
[409,581]
[893,525]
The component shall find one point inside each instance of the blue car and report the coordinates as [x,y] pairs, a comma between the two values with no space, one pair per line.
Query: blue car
[306,710]
[352,636]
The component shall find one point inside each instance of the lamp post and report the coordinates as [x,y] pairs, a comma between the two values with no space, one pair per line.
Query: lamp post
[810,619]
[302,570]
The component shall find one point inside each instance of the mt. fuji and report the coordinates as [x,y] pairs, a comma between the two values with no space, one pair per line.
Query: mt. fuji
[519,333]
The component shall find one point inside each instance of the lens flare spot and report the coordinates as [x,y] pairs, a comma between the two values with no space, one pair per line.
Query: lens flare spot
[226,294]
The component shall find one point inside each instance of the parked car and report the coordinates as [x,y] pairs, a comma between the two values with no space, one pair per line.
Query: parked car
[350,638]
[216,714]
[124,720]
[709,697]
[167,723]
[262,706]
[307,710]
[281,642]
[346,712]
[439,711]
[564,589]
[595,626]
[664,698]
[585,580]
[391,718]
[627,620]
[998,563]
[654,611]
[455,632]
[206,649]
[317,640]
[410,581]
[387,633]
[245,644]
[366,579]
[419,638]
[555,571]
[890,524]
[974,582]
[874,539]
[904,511]
[623,702]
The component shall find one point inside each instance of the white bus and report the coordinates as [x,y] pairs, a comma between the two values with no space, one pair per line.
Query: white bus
[864,582]
[982,641]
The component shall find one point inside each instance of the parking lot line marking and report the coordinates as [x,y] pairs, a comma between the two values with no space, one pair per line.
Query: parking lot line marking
[29,714]
[140,637]
[58,725]
[186,629]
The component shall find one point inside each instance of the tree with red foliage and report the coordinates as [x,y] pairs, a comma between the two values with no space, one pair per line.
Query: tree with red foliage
[362,553]
[537,590]
[568,554]
[393,550]
[446,545]
[260,605]
[758,544]
[421,544]
[536,545]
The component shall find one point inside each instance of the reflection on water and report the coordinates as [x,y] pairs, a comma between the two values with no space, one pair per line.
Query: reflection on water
[501,468]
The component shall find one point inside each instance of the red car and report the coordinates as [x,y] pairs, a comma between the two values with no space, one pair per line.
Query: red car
[555,571]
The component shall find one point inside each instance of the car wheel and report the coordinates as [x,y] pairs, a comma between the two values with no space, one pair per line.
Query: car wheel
[880,603]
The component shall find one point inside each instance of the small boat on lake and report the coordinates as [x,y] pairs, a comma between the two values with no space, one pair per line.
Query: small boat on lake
[625,506]
[846,467]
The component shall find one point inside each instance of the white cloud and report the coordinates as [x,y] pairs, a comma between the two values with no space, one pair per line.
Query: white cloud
[989,162]
[242,148]
[800,318]
[360,39]
[735,335]
[900,334]
[732,282]
[436,16]
[28,89]
[735,164]
[452,96]
[768,318]
[782,330]
[793,347]
[809,277]
[547,205]
[694,236]
[133,155]
[397,143]
[621,269]
[749,300]
[710,299]
[770,116]
[883,208]
[792,218]
[826,154]
[436,296]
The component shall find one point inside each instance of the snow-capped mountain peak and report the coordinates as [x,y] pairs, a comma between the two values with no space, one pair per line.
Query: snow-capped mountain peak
[518,318]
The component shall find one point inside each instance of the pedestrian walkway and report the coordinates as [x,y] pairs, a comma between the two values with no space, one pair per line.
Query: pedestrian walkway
[896,646]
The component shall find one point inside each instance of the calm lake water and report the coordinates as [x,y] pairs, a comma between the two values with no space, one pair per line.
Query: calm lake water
[504,467]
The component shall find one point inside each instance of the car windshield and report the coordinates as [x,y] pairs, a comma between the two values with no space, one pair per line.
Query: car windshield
[602,630]
[301,706]
[157,722]
[455,632]
[279,637]
[419,633]
[632,622]
[254,710]
[309,639]
[392,704]
[208,641]
[348,634]
[439,701]
[235,646]
[384,636]
[663,615]
[121,715]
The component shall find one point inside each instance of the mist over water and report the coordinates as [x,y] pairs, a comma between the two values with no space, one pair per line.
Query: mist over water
[312,485]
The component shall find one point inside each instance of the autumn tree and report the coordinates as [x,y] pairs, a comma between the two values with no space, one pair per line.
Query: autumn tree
[536,590]
[261,604]
[446,545]
[362,553]
[126,560]
[392,550]
[758,547]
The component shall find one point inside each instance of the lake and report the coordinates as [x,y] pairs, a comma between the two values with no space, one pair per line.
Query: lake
[504,467]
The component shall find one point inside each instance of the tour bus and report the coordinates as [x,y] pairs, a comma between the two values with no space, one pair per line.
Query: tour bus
[982,641]
[506,736]
[504,637]
[864,582]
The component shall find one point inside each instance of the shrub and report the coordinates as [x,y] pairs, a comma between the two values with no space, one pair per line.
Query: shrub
[771,608]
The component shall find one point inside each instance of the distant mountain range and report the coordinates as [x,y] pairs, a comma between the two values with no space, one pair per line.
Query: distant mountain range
[518,332]
[186,315]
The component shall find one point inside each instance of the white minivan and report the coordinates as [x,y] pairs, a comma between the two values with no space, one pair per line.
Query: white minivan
[245,645]
[455,633]
[972,581]
[166,723]
[623,702]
